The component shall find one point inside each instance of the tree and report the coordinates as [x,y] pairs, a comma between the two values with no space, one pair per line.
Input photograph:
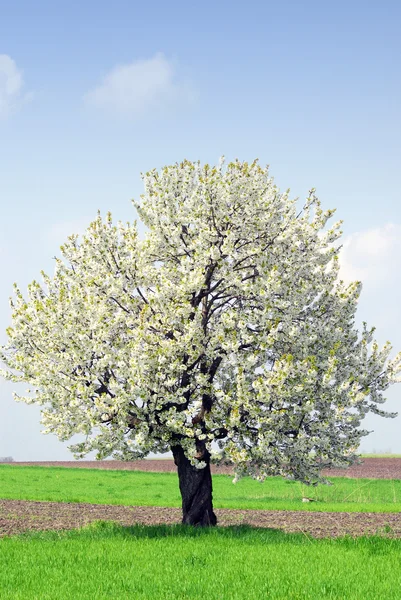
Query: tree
[6,459]
[225,331]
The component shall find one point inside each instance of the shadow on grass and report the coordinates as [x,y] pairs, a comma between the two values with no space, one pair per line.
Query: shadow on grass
[111,529]
[247,534]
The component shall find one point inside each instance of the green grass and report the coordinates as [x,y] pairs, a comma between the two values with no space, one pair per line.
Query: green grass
[375,455]
[106,560]
[161,489]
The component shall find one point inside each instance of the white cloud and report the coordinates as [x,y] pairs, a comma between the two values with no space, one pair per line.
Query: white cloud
[372,256]
[11,87]
[139,87]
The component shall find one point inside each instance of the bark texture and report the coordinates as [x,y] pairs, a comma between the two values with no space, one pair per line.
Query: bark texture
[196,489]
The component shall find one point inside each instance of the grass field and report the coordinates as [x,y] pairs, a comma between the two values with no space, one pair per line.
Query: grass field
[384,455]
[161,489]
[106,560]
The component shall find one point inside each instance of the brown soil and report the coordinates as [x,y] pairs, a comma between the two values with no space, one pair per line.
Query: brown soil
[17,516]
[371,468]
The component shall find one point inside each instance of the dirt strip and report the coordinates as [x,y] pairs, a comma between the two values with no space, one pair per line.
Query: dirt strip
[371,468]
[17,516]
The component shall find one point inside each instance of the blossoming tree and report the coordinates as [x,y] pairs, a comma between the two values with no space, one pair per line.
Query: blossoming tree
[226,332]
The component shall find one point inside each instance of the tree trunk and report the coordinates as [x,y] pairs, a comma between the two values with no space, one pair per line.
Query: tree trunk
[196,489]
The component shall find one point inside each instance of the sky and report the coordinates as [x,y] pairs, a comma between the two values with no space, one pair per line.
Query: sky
[94,93]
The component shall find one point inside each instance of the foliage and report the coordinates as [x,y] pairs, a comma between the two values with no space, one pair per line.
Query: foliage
[226,324]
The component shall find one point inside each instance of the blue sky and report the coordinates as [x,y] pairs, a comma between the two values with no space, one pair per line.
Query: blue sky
[92,95]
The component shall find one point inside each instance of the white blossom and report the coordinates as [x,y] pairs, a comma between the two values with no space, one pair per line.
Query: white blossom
[226,324]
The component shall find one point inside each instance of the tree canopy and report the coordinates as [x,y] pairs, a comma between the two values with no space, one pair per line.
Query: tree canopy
[225,330]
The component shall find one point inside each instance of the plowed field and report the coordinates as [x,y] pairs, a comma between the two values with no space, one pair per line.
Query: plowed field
[17,516]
